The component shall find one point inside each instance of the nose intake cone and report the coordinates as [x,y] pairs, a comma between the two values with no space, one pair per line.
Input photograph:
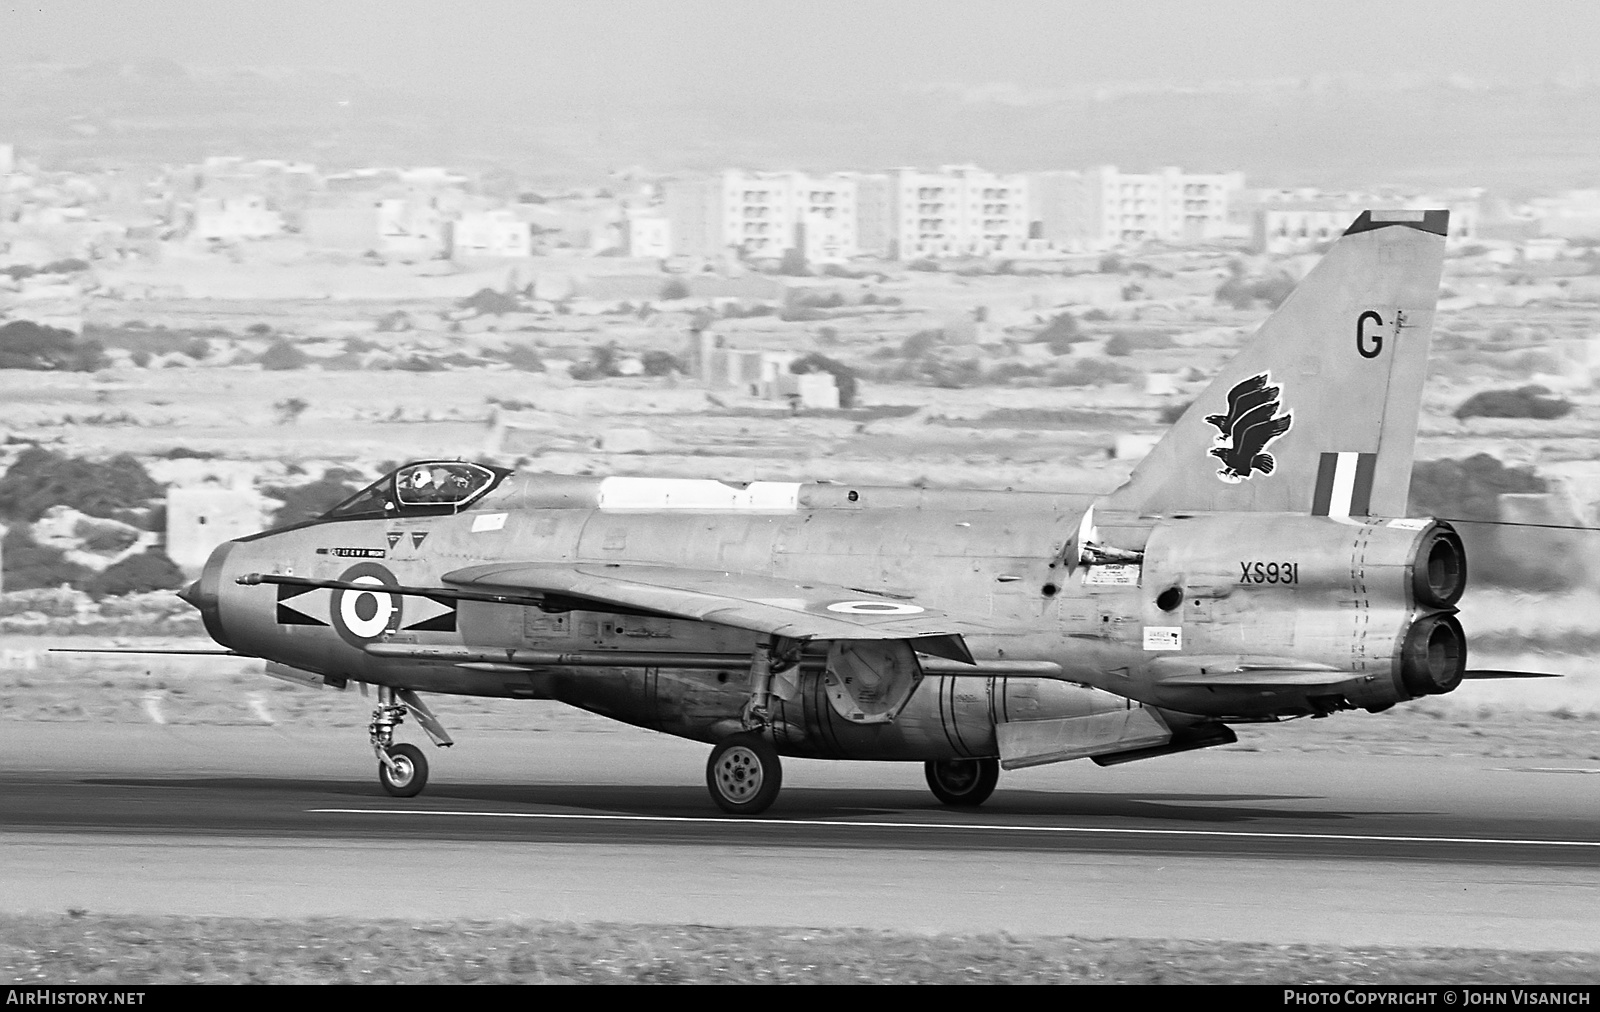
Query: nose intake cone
[191,596]
[205,593]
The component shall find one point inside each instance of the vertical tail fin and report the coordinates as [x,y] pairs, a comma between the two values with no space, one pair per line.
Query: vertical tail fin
[1318,412]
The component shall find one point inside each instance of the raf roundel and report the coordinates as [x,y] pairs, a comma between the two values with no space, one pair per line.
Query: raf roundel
[874,608]
[361,616]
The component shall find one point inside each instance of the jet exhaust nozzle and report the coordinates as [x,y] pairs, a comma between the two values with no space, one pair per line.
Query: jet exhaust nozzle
[1434,656]
[1439,576]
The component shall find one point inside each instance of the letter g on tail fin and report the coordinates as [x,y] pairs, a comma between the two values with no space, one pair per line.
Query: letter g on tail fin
[1336,370]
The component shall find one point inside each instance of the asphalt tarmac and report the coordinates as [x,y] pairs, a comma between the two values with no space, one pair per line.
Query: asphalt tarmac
[616,825]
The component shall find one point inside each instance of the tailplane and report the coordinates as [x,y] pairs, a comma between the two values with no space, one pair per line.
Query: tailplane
[1318,412]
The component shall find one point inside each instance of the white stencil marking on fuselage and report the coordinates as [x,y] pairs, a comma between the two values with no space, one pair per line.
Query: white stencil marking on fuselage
[1163,637]
[697,494]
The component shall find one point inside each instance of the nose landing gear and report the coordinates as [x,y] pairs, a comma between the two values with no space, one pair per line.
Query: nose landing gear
[402,769]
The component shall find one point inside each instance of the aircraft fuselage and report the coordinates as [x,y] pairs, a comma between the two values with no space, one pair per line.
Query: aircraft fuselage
[1222,616]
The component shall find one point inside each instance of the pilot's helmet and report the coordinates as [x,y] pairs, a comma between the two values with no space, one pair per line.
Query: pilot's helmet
[420,478]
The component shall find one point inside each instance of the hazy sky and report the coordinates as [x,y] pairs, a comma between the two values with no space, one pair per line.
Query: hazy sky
[620,50]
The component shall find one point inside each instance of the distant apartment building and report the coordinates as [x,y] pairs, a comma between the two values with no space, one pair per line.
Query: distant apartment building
[1301,220]
[281,187]
[405,227]
[497,233]
[1299,226]
[959,210]
[876,234]
[762,215]
[580,222]
[229,219]
[646,234]
[410,228]
[1105,208]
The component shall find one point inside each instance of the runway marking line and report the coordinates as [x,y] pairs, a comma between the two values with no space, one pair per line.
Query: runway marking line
[1545,769]
[980,826]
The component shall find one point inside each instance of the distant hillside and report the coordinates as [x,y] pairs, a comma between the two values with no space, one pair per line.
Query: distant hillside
[1515,138]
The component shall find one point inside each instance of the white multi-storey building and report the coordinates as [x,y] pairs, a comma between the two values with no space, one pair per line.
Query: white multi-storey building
[1105,208]
[1298,220]
[960,210]
[494,233]
[410,227]
[646,234]
[763,215]
[230,218]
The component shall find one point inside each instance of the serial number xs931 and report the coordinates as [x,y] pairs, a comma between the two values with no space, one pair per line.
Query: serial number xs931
[1269,572]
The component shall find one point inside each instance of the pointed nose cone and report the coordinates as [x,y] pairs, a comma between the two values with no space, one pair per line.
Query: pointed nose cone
[190,595]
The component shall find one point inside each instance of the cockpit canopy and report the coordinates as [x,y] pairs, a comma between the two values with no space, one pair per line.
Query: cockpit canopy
[424,488]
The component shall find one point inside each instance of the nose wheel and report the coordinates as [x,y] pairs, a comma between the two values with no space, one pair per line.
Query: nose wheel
[744,775]
[402,770]
[406,772]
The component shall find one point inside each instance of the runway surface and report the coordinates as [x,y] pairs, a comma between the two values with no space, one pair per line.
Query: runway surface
[616,825]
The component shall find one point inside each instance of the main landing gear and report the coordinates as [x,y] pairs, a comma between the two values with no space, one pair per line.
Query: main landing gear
[402,769]
[966,783]
[744,774]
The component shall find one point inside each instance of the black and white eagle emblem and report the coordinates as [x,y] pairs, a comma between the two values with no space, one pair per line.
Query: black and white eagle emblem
[1246,428]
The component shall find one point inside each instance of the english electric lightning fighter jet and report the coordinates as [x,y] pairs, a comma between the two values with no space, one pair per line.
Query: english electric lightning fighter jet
[1257,565]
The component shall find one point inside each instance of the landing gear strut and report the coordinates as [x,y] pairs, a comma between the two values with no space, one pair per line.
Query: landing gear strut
[744,774]
[402,769]
[962,782]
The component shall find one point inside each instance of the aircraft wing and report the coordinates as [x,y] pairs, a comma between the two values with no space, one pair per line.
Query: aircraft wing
[798,610]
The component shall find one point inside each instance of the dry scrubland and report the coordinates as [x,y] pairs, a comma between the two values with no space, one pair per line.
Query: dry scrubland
[127,951]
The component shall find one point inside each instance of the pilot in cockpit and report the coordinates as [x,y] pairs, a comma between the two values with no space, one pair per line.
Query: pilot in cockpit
[435,483]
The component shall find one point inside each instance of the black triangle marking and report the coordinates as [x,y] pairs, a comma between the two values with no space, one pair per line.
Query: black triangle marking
[394,538]
[286,615]
[438,623]
[417,538]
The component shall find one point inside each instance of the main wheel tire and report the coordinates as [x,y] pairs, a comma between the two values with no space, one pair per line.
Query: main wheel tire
[964,782]
[744,775]
[410,774]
